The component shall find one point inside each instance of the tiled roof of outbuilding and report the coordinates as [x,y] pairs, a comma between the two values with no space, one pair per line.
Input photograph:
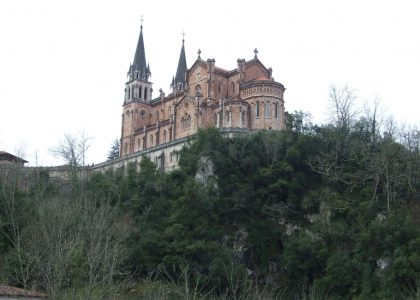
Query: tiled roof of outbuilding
[11,291]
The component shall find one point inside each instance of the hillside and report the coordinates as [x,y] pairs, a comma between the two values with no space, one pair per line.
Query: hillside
[327,211]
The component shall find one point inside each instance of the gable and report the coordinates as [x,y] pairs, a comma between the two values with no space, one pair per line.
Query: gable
[254,69]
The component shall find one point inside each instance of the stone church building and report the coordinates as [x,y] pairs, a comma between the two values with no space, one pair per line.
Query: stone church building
[243,99]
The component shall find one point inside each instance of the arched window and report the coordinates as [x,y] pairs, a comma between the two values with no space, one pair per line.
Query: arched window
[197,90]
[129,93]
[257,109]
[233,87]
[140,92]
[186,122]
[219,89]
[276,110]
[242,117]
[132,92]
[267,109]
[145,93]
[228,116]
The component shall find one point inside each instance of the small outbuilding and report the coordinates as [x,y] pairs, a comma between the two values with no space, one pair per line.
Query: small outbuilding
[7,158]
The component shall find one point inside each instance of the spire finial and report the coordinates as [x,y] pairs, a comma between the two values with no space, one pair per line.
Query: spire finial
[141,22]
[199,53]
[256,52]
[183,36]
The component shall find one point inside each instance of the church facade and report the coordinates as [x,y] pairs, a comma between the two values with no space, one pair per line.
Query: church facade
[246,98]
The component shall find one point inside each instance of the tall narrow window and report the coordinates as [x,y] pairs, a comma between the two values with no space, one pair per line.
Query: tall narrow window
[242,117]
[164,136]
[267,109]
[132,92]
[257,109]
[228,115]
[151,140]
[276,110]
[129,93]
[233,87]
[145,93]
[220,88]
[140,92]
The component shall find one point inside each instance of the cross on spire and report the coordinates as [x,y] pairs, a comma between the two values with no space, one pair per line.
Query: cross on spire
[256,52]
[199,53]
[141,22]
[183,36]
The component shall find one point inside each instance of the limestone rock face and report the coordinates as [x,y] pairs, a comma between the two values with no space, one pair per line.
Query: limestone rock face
[205,173]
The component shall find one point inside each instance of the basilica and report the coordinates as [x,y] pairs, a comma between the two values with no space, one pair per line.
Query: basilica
[204,95]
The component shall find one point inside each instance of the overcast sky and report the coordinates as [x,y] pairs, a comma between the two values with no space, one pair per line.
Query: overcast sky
[63,64]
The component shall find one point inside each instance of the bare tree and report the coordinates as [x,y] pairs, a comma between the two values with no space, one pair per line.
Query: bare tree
[104,235]
[342,101]
[72,150]
[79,237]
[373,114]
[12,180]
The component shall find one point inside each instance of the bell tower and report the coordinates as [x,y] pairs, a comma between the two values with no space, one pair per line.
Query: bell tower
[138,87]
[137,95]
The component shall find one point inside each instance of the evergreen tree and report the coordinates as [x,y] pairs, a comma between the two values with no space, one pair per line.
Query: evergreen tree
[114,151]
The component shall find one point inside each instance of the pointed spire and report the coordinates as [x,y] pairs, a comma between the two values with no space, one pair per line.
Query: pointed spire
[182,65]
[139,62]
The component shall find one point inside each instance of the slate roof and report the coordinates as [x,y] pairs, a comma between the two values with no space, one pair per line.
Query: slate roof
[139,62]
[182,66]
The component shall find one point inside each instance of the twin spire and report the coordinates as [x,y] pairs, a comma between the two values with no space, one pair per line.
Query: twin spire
[180,80]
[139,69]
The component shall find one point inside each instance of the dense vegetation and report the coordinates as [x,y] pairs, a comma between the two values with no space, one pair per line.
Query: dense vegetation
[326,211]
